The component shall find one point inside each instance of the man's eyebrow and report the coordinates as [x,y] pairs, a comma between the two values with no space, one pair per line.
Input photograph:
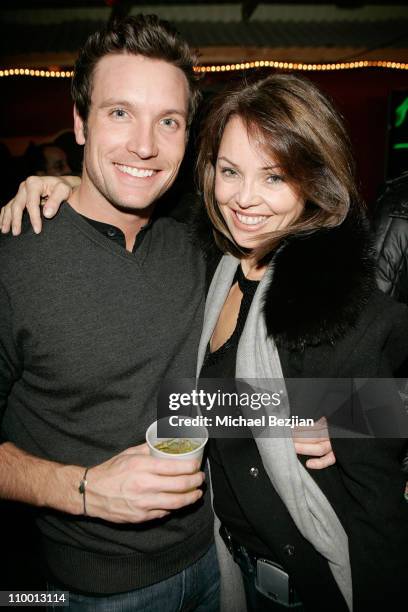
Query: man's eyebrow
[114,102]
[128,104]
[174,111]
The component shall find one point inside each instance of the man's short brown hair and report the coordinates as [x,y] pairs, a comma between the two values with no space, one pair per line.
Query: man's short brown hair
[145,35]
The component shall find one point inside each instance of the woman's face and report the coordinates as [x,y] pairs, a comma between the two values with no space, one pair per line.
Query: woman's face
[251,190]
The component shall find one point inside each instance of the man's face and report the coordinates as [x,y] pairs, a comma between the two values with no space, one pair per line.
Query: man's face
[136,130]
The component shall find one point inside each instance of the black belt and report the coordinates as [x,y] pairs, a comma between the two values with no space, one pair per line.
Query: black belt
[270,579]
[236,549]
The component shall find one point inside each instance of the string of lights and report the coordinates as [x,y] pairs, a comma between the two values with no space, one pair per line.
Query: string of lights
[304,66]
[7,72]
[64,74]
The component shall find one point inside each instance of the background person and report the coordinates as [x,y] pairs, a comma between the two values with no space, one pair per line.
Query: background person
[45,159]
[74,152]
[390,223]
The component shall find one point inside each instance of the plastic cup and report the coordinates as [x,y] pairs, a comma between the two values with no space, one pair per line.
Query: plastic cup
[197,435]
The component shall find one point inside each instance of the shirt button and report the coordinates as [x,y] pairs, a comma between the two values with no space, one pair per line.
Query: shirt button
[111,232]
[254,472]
[289,550]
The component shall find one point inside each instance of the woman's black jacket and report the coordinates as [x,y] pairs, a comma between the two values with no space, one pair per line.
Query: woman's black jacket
[329,320]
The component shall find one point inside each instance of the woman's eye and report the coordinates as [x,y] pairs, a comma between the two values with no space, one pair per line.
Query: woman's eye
[275,178]
[229,172]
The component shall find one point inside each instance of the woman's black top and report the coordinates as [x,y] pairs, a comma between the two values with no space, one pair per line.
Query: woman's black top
[231,459]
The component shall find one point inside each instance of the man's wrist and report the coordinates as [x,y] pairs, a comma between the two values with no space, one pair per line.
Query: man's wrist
[63,493]
[39,482]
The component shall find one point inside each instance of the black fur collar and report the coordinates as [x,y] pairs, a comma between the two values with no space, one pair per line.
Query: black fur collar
[321,281]
[320,284]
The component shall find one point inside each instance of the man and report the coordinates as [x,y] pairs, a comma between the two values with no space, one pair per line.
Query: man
[89,329]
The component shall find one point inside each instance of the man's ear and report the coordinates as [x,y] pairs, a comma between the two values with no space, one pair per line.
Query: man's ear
[79,128]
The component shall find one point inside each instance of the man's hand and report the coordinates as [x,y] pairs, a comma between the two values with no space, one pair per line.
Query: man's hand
[35,191]
[315,442]
[134,487]
[131,487]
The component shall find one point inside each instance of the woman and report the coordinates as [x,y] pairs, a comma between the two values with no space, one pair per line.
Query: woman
[295,288]
[294,296]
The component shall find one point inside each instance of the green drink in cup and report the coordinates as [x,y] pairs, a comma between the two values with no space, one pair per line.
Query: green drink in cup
[189,443]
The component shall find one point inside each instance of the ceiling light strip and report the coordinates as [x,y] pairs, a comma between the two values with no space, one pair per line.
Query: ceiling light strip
[6,72]
[303,66]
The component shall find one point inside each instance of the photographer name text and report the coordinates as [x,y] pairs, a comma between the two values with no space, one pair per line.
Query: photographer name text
[239,421]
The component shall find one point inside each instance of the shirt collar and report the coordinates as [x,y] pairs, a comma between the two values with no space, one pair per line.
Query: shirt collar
[116,235]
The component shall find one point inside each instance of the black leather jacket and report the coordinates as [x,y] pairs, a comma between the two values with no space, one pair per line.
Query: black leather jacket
[391,238]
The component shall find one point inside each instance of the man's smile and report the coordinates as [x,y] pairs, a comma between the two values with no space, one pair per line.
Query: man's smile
[137,172]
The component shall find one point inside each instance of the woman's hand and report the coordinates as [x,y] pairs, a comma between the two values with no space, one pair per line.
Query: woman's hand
[315,442]
[34,192]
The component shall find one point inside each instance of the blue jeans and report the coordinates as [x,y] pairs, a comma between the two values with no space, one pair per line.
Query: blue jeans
[197,588]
